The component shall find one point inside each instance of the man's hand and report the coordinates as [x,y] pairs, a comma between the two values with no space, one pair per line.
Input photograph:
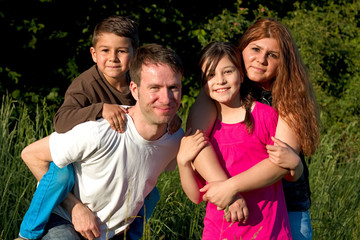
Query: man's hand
[115,115]
[84,221]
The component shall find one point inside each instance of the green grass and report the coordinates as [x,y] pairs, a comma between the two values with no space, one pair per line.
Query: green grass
[334,179]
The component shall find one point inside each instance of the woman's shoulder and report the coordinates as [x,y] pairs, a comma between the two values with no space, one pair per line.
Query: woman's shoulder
[262,108]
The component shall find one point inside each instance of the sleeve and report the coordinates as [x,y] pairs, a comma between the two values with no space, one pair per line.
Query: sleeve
[75,145]
[77,107]
[267,119]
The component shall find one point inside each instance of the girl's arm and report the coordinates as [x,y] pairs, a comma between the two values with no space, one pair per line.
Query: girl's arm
[261,175]
[202,116]
[191,181]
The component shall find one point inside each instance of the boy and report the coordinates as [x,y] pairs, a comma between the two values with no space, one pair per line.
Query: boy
[96,93]
[115,172]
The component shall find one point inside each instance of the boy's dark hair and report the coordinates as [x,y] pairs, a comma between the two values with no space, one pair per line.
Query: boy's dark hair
[119,25]
[154,54]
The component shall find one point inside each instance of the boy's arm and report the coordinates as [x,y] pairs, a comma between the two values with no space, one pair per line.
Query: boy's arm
[76,109]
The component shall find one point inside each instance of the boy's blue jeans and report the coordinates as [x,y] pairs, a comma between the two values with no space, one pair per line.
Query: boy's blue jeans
[52,190]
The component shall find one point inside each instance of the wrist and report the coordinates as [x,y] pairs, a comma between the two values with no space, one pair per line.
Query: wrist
[232,186]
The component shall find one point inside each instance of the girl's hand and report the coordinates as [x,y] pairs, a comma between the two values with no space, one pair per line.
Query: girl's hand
[219,194]
[115,115]
[190,146]
[283,155]
[237,211]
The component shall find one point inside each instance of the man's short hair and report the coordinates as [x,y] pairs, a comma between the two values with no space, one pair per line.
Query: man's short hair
[154,54]
[120,26]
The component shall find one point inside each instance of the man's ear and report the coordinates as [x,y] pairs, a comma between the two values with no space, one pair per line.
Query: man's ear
[93,54]
[134,90]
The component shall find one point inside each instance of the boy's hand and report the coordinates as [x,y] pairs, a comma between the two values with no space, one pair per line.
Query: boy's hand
[283,155]
[175,124]
[115,115]
[237,211]
[219,193]
[84,221]
[190,146]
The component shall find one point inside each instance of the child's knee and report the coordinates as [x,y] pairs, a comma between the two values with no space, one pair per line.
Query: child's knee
[65,177]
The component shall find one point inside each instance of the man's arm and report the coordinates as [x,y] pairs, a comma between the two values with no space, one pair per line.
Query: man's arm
[37,157]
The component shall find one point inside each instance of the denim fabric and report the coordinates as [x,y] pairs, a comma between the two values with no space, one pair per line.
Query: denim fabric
[297,194]
[51,191]
[137,226]
[59,229]
[300,225]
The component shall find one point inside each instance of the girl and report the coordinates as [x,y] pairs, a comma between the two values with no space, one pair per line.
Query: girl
[272,62]
[241,132]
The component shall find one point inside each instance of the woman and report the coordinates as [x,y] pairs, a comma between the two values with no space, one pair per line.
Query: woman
[272,62]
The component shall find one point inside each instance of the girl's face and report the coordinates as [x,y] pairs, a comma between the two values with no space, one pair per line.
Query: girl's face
[261,60]
[223,85]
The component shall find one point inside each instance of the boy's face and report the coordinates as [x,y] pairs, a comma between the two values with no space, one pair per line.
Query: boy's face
[112,55]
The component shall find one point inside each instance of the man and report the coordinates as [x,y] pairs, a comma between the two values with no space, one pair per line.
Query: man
[113,171]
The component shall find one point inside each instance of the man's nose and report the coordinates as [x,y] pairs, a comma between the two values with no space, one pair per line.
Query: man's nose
[166,96]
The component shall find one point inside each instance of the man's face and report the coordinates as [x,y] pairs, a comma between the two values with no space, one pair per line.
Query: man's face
[159,93]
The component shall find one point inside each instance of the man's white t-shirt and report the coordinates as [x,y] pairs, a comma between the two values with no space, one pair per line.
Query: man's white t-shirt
[114,171]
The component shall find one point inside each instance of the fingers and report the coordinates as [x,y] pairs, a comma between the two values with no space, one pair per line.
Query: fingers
[279,142]
[246,214]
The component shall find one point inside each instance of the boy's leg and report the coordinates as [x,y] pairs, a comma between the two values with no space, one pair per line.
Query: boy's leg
[51,191]
[137,226]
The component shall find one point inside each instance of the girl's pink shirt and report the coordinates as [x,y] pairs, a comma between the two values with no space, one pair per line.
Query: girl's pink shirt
[238,151]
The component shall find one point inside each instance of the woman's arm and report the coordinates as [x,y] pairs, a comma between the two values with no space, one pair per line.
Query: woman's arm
[261,175]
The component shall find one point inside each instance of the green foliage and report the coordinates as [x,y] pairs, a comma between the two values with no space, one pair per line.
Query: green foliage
[334,174]
[53,52]
[175,217]
[17,130]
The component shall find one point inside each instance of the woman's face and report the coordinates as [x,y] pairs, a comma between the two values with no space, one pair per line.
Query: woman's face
[261,60]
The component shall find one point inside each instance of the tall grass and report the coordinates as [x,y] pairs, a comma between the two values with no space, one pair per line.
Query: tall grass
[334,179]
[17,184]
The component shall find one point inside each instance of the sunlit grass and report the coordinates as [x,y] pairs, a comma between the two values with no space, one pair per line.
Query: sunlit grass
[334,179]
